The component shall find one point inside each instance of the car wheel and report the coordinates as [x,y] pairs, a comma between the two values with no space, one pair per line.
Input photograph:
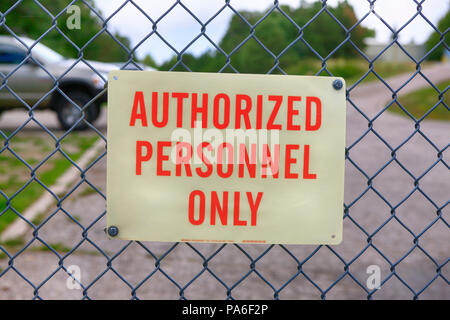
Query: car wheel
[68,114]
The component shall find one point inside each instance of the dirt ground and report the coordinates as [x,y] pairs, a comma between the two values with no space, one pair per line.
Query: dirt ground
[405,233]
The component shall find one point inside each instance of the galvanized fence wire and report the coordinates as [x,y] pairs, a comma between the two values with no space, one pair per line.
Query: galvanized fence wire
[252,260]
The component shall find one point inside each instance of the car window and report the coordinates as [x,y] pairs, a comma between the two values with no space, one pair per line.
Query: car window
[11,54]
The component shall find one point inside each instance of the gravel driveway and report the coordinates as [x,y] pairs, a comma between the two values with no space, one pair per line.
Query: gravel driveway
[381,202]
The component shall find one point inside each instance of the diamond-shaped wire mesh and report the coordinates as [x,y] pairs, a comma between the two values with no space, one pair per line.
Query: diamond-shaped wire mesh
[396,189]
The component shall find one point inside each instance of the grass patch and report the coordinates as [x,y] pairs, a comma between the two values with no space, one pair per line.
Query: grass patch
[87,191]
[38,218]
[15,174]
[351,69]
[58,247]
[11,246]
[74,216]
[61,249]
[11,243]
[419,102]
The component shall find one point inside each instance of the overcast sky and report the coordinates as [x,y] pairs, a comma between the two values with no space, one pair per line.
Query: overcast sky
[179,28]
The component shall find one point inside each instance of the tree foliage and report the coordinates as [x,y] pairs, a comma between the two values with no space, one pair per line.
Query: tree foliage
[443,25]
[320,37]
[149,61]
[28,18]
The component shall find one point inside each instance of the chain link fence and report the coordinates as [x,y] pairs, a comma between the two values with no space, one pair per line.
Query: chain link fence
[396,190]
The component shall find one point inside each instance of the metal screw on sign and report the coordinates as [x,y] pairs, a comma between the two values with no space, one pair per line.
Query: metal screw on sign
[113,231]
[337,84]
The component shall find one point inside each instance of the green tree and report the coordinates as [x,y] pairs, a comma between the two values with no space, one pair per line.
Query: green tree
[30,19]
[443,25]
[148,61]
[277,33]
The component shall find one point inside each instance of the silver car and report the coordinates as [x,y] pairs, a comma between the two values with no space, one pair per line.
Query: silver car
[30,84]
